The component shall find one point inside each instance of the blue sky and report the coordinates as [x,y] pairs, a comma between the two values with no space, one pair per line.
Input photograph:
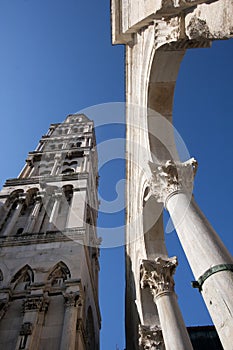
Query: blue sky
[57,58]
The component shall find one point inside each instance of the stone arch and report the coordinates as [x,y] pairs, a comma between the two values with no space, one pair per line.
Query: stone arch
[161,70]
[9,207]
[22,278]
[58,274]
[153,229]
[30,195]
[68,171]
[14,196]
[162,77]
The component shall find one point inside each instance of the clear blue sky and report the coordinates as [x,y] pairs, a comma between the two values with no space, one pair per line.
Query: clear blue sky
[57,58]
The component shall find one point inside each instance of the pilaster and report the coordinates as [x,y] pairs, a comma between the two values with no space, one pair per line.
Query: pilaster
[35,212]
[72,301]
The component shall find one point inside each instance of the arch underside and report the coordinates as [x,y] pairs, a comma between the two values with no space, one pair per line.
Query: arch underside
[145,240]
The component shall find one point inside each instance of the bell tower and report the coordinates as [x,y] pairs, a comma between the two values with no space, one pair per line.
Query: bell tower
[49,248]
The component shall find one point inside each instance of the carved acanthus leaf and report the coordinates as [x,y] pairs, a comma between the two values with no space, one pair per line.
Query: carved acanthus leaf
[36,303]
[158,275]
[151,338]
[171,177]
[72,299]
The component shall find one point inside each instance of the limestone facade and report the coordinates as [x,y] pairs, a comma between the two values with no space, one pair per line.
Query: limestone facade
[49,247]
[156,34]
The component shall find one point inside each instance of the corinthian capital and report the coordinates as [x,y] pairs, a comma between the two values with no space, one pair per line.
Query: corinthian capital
[151,338]
[158,275]
[170,177]
[71,299]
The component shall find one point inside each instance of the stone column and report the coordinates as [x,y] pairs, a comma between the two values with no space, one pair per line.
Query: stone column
[4,212]
[53,217]
[57,161]
[70,321]
[210,261]
[14,218]
[34,215]
[85,161]
[158,276]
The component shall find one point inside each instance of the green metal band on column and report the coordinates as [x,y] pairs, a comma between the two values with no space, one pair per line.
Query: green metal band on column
[222,267]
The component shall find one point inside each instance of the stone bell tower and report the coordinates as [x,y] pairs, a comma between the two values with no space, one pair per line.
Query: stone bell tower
[48,244]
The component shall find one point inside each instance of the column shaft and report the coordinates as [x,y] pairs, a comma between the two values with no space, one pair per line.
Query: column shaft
[210,261]
[70,322]
[204,249]
[175,334]
[54,213]
[32,218]
[158,276]
[13,219]
[57,162]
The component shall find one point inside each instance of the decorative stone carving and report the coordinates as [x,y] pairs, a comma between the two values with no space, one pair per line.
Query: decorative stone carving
[45,303]
[35,303]
[54,236]
[30,160]
[151,338]
[26,328]
[80,328]
[158,275]
[170,177]
[32,304]
[72,299]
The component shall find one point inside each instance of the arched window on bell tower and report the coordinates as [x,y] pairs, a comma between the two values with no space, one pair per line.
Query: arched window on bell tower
[59,274]
[22,279]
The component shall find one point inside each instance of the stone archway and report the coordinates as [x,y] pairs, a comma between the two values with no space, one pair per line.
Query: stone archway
[156,35]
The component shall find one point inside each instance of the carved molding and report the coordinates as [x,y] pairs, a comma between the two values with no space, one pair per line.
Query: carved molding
[151,338]
[158,275]
[35,304]
[45,179]
[72,299]
[170,177]
[51,236]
